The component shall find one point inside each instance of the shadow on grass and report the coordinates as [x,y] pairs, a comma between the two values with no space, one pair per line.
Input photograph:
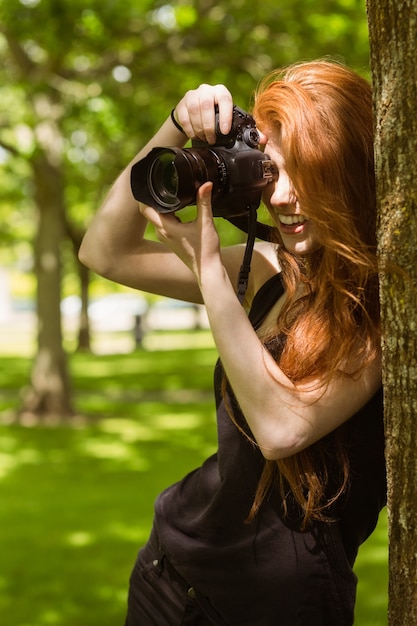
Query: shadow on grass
[76,506]
[77,500]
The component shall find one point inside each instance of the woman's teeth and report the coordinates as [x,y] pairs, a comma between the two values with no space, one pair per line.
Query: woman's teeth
[288,220]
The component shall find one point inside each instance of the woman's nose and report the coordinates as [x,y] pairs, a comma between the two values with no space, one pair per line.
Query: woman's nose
[283,191]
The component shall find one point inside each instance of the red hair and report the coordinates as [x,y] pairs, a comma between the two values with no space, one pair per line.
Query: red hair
[321,112]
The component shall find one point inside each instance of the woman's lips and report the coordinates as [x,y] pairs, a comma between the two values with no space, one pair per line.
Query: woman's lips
[291,224]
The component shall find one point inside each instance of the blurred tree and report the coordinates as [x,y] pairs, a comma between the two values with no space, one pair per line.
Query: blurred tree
[393,35]
[83,85]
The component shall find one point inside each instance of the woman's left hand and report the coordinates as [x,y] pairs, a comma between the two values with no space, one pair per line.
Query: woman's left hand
[196,242]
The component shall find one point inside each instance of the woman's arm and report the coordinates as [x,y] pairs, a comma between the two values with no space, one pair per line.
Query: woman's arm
[284,418]
[115,245]
[187,263]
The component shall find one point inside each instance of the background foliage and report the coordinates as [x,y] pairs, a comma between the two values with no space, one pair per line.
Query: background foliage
[106,74]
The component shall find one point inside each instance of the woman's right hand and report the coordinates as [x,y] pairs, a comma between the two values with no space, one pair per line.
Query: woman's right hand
[116,246]
[196,114]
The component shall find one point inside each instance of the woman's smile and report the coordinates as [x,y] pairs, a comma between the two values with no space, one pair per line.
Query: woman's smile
[297,232]
[291,224]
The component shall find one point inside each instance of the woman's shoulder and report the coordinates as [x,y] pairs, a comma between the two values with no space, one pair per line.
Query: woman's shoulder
[264,267]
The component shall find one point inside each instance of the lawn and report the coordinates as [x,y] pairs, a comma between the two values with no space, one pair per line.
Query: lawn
[77,499]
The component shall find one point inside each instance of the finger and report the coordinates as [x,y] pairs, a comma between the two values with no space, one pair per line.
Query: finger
[224,101]
[196,112]
[201,110]
[159,220]
[188,111]
[221,97]
[204,206]
[208,118]
[150,214]
[164,223]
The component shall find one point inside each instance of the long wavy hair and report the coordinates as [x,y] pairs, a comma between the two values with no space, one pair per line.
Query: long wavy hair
[321,111]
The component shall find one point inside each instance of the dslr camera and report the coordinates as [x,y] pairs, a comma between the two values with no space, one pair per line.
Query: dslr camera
[168,178]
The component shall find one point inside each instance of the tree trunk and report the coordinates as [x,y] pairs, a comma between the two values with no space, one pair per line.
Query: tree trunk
[84,337]
[49,396]
[84,343]
[393,37]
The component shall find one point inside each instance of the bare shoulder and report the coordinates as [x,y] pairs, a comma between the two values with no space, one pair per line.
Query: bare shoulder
[268,252]
[264,265]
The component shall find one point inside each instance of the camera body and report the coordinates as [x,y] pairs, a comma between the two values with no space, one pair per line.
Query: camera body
[168,178]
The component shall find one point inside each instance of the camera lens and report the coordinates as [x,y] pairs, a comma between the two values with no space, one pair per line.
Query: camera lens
[173,176]
[163,179]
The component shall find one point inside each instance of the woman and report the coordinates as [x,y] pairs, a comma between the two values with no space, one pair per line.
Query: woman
[266,531]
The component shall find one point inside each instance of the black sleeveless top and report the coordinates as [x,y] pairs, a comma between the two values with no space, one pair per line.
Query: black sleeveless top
[268,572]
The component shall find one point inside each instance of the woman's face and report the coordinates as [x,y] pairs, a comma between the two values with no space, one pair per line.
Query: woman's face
[297,232]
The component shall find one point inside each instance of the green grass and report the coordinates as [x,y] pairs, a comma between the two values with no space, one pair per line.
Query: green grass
[77,500]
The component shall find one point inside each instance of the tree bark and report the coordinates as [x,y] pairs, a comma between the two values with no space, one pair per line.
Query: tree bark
[84,337]
[393,37]
[49,396]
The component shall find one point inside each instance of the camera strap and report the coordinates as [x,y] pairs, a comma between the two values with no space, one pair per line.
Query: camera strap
[254,229]
[251,229]
[263,231]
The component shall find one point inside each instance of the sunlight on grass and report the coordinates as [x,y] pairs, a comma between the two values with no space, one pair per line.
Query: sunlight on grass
[114,451]
[49,617]
[77,499]
[186,421]
[80,539]
[128,430]
[11,457]
[7,464]
[100,367]
[127,532]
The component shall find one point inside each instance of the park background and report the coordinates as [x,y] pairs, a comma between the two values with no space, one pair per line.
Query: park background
[84,85]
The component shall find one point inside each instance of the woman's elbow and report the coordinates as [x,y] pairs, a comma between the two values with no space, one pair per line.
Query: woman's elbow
[89,255]
[85,255]
[281,444]
[275,454]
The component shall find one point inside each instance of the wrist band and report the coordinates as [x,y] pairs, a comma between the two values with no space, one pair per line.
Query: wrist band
[177,124]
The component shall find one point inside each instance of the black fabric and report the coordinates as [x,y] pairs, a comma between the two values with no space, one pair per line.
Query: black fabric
[159,596]
[265,298]
[268,572]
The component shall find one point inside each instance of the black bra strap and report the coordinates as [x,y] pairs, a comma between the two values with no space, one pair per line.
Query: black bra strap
[265,298]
